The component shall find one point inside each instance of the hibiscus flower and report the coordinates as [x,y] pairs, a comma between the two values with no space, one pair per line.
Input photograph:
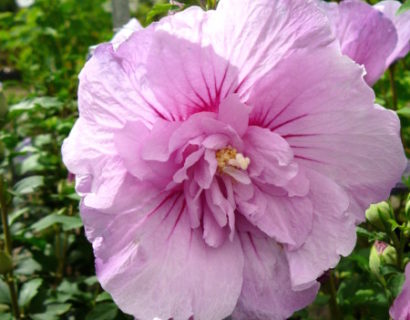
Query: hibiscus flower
[400,309]
[374,36]
[223,159]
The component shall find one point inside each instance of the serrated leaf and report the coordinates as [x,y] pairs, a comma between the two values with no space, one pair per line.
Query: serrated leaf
[28,292]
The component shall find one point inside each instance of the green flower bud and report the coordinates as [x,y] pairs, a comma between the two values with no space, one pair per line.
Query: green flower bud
[381,254]
[6,263]
[378,214]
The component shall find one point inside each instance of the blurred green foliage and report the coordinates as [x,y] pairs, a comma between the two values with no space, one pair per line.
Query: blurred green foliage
[43,48]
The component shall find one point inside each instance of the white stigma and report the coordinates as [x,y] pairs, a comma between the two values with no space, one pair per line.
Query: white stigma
[240,161]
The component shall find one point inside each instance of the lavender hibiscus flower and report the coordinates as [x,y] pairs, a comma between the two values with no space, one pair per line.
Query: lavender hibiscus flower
[223,159]
[400,309]
[374,36]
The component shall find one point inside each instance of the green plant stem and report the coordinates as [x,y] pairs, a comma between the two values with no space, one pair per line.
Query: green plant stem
[393,87]
[8,249]
[13,295]
[400,250]
[334,307]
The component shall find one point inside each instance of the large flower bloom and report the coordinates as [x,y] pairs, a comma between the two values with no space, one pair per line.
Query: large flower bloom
[374,36]
[223,159]
[400,309]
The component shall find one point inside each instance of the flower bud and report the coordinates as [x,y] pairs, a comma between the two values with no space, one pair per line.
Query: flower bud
[378,214]
[381,254]
[6,263]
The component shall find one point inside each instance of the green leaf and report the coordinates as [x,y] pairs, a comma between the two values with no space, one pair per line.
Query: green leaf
[6,262]
[404,7]
[27,266]
[53,312]
[4,293]
[104,296]
[33,104]
[28,292]
[103,311]
[159,9]
[28,185]
[67,222]
[395,283]
[6,316]
[404,112]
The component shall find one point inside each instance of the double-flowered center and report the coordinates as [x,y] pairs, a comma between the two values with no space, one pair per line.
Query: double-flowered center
[203,160]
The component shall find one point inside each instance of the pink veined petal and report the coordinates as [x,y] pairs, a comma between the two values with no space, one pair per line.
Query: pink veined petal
[402,23]
[161,256]
[288,220]
[333,233]
[130,145]
[214,235]
[233,112]
[400,309]
[267,293]
[365,35]
[326,114]
[181,68]
[258,34]
[271,157]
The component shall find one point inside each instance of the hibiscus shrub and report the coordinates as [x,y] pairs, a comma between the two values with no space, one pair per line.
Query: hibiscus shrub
[47,265]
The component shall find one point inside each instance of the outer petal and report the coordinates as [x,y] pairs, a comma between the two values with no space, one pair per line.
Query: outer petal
[402,24]
[325,112]
[266,292]
[401,306]
[162,255]
[333,233]
[255,35]
[125,32]
[365,35]
[89,152]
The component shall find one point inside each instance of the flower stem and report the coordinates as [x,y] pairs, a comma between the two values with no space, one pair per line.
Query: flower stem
[393,87]
[8,248]
[334,307]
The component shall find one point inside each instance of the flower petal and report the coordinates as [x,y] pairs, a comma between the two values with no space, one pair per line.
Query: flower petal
[402,23]
[266,292]
[233,112]
[288,220]
[333,233]
[255,35]
[162,254]
[365,35]
[400,309]
[327,116]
